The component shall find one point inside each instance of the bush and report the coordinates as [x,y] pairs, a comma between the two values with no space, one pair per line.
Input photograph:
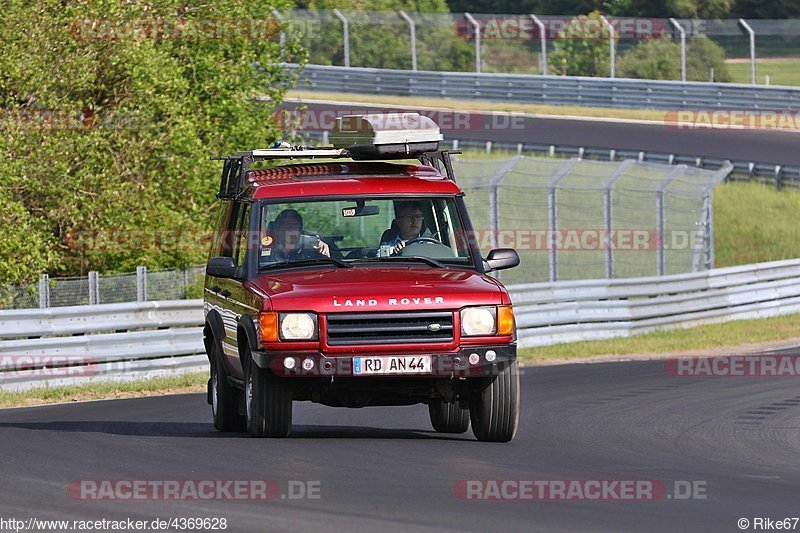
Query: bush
[655,59]
[660,59]
[701,54]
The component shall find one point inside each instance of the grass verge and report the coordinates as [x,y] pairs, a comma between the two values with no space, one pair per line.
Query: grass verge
[754,223]
[181,384]
[784,71]
[727,337]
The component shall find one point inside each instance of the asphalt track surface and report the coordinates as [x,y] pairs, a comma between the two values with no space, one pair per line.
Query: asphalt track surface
[756,145]
[384,469]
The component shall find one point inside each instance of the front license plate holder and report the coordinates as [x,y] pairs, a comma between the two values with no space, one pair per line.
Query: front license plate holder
[392,365]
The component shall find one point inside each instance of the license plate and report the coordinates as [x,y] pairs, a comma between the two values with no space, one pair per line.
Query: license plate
[381,365]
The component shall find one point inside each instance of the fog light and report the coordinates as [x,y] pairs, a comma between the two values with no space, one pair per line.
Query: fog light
[491,355]
[474,358]
[289,363]
[308,364]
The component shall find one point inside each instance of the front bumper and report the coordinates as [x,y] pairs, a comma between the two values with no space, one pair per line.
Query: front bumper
[443,365]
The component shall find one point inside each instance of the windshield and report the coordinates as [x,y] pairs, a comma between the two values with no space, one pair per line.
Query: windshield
[346,232]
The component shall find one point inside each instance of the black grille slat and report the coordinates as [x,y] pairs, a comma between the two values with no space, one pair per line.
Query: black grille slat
[388,328]
[380,329]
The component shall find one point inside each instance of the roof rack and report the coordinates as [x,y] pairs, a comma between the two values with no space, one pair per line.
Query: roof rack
[234,170]
[372,137]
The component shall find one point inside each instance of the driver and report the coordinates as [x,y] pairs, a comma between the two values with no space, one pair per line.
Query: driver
[288,244]
[407,226]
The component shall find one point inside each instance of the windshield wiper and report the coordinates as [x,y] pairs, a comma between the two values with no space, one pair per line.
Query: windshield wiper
[400,258]
[310,262]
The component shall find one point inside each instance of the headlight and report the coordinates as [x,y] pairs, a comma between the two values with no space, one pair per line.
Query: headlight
[477,321]
[298,326]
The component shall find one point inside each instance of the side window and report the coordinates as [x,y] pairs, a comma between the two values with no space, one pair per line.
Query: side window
[241,234]
[221,230]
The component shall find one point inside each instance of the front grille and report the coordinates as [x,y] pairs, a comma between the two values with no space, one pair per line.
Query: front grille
[388,328]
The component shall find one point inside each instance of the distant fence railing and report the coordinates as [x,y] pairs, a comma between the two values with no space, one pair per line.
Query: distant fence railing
[497,42]
[100,288]
[163,338]
[521,88]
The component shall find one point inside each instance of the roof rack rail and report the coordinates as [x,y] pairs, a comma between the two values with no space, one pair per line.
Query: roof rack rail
[234,170]
[371,137]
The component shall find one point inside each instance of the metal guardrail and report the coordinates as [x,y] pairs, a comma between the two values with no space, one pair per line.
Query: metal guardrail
[557,90]
[85,319]
[547,313]
[569,311]
[107,342]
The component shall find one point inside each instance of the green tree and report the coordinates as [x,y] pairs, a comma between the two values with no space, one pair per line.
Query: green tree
[110,110]
[700,9]
[582,48]
[766,9]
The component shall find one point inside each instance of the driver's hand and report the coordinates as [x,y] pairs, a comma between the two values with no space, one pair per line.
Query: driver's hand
[323,248]
[399,246]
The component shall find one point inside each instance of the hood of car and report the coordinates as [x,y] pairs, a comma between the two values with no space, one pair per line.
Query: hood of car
[359,289]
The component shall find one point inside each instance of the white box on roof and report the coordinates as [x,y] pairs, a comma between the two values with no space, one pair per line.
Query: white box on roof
[386,134]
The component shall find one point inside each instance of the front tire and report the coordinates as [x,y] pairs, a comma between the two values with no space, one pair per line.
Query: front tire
[448,417]
[224,398]
[494,410]
[268,403]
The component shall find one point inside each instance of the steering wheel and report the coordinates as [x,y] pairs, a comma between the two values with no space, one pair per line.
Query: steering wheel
[422,239]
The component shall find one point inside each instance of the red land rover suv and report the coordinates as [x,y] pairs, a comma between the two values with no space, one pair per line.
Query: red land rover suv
[356,282]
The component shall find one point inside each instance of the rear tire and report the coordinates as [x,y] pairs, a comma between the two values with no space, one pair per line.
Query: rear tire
[494,410]
[224,398]
[448,417]
[268,403]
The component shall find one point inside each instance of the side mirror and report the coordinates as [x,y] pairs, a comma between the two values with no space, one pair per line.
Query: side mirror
[221,267]
[501,259]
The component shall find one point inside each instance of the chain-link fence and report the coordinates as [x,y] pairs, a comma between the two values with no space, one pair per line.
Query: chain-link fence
[518,44]
[567,219]
[582,219]
[95,288]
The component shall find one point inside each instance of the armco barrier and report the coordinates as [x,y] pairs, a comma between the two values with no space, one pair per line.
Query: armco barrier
[547,313]
[80,344]
[568,311]
[557,90]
